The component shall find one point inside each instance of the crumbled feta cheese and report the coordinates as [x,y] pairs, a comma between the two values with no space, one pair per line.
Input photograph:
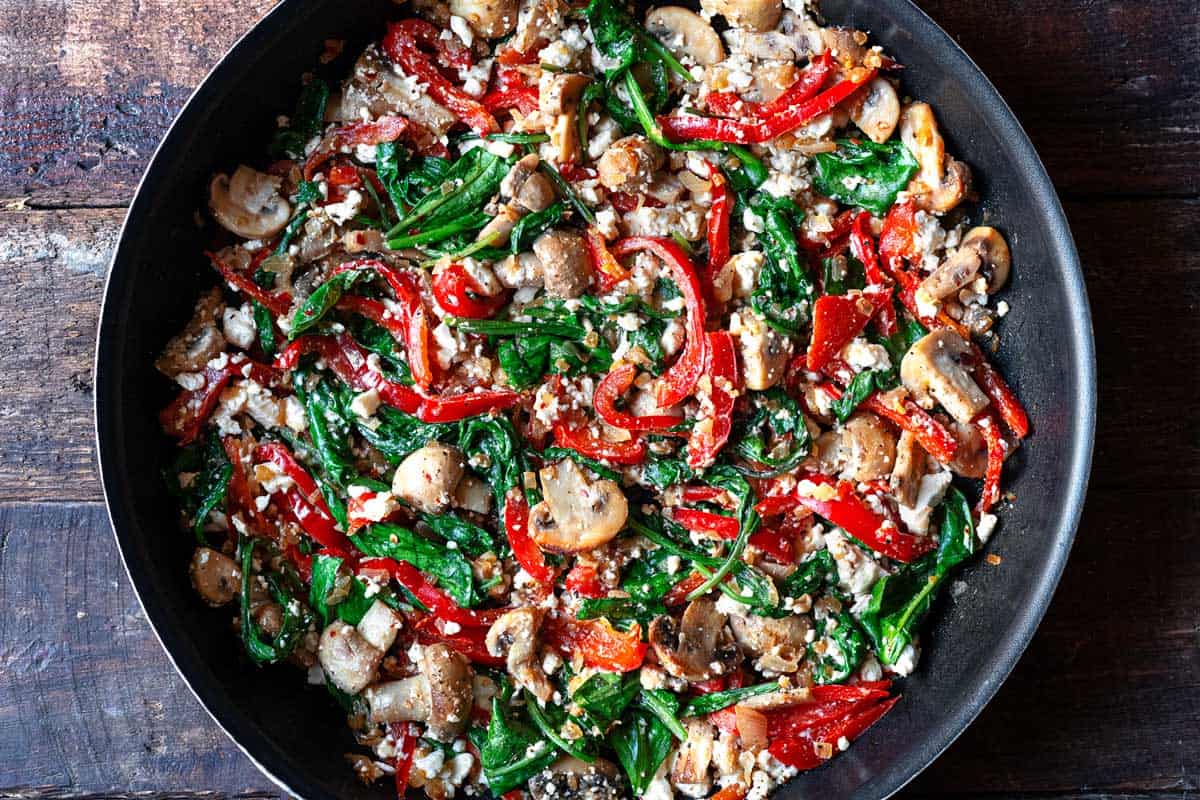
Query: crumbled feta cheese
[929,495]
[365,404]
[346,210]
[239,326]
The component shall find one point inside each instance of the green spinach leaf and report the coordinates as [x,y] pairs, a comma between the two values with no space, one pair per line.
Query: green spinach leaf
[865,174]
[450,568]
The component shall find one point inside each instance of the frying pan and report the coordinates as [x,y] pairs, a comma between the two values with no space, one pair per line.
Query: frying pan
[292,731]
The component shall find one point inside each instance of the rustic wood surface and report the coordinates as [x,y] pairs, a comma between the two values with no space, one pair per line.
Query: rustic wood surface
[1105,703]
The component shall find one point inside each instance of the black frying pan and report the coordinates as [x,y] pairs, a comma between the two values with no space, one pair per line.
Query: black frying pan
[293,732]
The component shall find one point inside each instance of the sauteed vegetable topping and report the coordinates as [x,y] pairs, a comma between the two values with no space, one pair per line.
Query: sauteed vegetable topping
[592,398]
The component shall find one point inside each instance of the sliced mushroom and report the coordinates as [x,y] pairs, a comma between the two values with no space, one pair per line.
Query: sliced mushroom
[558,100]
[764,352]
[754,15]
[931,371]
[569,778]
[215,576]
[957,270]
[429,476]
[629,164]
[776,700]
[861,449]
[473,494]
[501,225]
[685,32]
[941,183]
[694,758]
[514,637]
[441,694]
[347,658]
[520,271]
[877,110]
[490,19]
[249,203]
[377,87]
[451,690]
[779,644]
[910,467]
[848,47]
[198,343]
[577,514]
[970,449]
[696,648]
[566,270]
[380,625]
[993,252]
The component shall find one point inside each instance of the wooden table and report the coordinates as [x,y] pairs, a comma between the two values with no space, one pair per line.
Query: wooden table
[1105,703]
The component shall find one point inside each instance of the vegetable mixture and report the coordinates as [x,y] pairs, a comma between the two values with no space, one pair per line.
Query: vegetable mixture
[593,397]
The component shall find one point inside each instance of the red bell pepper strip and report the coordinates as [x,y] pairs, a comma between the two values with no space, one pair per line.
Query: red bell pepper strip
[405,734]
[687,127]
[610,388]
[601,645]
[728,104]
[678,593]
[706,522]
[680,379]
[703,494]
[708,436]
[776,504]
[304,500]
[1000,394]
[277,304]
[459,294]
[997,448]
[440,604]
[608,270]
[470,641]
[349,362]
[184,418]
[375,311]
[777,542]
[801,751]
[384,129]
[237,496]
[510,90]
[834,241]
[630,452]
[897,240]
[719,215]
[584,581]
[418,338]
[862,246]
[524,548]
[837,319]
[847,510]
[400,45]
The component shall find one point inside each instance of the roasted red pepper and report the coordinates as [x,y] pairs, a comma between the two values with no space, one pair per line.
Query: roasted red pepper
[459,294]
[184,418]
[278,304]
[440,604]
[384,129]
[819,743]
[629,452]
[237,496]
[585,582]
[349,362]
[511,90]
[601,645]
[837,319]
[607,269]
[470,640]
[610,389]
[707,522]
[847,510]
[719,215]
[1006,402]
[709,435]
[997,449]
[524,548]
[401,46]
[680,379]
[862,247]
[678,594]
[405,735]
[704,494]
[303,501]
[804,87]
[688,127]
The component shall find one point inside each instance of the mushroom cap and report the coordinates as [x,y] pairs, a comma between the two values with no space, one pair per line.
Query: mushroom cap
[865,448]
[451,690]
[514,636]
[930,370]
[577,514]
[490,19]
[993,252]
[683,30]
[249,203]
[754,15]
[877,110]
[215,576]
[779,644]
[941,183]
[428,477]
[696,648]
[347,658]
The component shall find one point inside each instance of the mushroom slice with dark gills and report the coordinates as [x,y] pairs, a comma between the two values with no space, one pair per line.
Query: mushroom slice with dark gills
[778,645]
[577,514]
[248,203]
[697,647]
[514,637]
[441,695]
[572,779]
[932,371]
